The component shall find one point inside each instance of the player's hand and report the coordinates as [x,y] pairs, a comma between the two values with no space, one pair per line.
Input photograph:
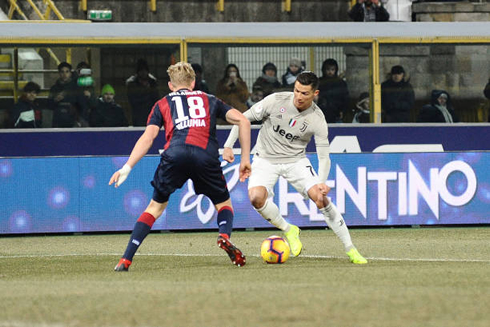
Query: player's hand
[120,176]
[324,189]
[228,155]
[245,170]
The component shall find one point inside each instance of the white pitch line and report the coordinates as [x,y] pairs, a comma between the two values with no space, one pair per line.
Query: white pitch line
[253,255]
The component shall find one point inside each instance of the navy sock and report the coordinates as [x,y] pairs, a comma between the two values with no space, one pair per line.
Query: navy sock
[225,220]
[140,231]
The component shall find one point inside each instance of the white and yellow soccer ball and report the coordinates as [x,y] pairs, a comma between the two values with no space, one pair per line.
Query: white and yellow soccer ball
[275,249]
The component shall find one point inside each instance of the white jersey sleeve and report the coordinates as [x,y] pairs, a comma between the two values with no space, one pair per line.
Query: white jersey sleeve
[256,113]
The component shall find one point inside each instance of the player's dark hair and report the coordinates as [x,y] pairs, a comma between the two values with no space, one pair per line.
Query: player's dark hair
[308,78]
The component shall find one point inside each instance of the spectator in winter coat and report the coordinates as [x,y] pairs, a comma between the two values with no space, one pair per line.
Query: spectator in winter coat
[369,11]
[362,112]
[107,113]
[142,92]
[397,97]
[440,109]
[232,89]
[85,81]
[294,69]
[26,112]
[201,84]
[66,99]
[334,94]
[256,96]
[486,91]
[268,81]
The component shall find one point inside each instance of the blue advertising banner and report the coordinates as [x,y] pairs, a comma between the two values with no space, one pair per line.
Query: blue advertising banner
[351,138]
[52,195]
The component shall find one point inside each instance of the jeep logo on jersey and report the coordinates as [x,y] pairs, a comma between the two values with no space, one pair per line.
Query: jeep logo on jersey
[282,132]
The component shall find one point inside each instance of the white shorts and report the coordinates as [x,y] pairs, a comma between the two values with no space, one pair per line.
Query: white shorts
[299,174]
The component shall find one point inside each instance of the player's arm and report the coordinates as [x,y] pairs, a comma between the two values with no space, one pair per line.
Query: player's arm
[255,113]
[232,137]
[141,148]
[236,118]
[323,154]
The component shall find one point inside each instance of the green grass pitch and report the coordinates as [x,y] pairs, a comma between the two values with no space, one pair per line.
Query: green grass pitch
[415,277]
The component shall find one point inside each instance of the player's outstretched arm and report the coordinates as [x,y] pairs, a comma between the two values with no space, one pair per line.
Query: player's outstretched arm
[141,148]
[235,117]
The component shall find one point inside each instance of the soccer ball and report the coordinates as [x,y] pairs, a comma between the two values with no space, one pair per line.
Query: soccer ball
[275,249]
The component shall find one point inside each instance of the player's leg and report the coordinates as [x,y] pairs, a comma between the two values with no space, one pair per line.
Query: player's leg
[225,218]
[336,223]
[208,179]
[260,192]
[141,229]
[225,226]
[170,175]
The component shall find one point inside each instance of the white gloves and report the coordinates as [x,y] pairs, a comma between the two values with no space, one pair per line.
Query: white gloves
[123,174]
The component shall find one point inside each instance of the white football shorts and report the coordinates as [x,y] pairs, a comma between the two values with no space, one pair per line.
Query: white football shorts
[299,174]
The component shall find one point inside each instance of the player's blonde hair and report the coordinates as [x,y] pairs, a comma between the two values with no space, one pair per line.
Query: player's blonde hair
[181,74]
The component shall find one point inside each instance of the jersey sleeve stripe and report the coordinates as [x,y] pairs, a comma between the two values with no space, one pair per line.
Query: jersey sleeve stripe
[168,123]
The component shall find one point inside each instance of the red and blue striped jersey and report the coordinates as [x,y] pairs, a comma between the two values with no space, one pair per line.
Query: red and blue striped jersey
[189,118]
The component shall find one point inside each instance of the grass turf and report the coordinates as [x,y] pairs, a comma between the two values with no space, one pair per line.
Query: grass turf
[415,277]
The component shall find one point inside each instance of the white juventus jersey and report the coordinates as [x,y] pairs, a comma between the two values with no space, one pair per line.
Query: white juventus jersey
[285,131]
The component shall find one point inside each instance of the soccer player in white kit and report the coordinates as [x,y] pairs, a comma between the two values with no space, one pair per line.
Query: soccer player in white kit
[289,120]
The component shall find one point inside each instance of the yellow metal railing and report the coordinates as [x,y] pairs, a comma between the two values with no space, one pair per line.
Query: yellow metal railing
[50,6]
[220,5]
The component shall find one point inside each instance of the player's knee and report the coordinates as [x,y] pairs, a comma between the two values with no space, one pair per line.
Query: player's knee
[319,203]
[257,197]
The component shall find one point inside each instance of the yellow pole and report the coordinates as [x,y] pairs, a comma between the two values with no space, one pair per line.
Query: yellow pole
[375,96]
[33,5]
[83,5]
[312,59]
[16,74]
[14,7]
[221,5]
[55,10]
[287,5]
[68,55]
[47,13]
[153,5]
[183,50]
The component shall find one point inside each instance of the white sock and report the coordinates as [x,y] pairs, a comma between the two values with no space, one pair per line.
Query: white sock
[337,224]
[270,212]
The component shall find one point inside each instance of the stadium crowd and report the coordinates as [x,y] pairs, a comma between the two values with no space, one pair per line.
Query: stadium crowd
[74,101]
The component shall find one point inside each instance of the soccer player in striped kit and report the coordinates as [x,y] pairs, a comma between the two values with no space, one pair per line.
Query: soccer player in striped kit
[191,152]
[289,120]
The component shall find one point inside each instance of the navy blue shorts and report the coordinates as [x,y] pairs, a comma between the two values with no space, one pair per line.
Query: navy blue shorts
[179,164]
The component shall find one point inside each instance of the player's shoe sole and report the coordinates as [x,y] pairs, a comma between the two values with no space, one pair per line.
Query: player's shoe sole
[236,256]
[356,258]
[293,240]
[122,265]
